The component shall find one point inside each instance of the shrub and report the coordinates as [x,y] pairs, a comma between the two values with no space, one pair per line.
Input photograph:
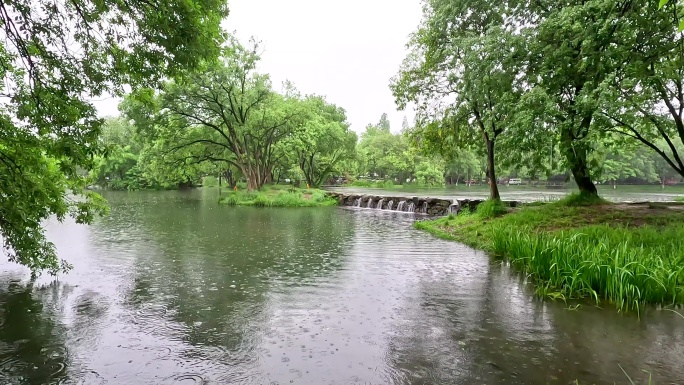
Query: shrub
[490,209]
[288,199]
[231,200]
[580,199]
[262,200]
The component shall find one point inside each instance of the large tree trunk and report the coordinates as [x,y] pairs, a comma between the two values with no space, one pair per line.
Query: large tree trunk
[228,176]
[575,152]
[577,158]
[253,178]
[491,172]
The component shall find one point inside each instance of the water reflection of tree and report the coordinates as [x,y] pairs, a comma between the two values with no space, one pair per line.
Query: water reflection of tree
[652,346]
[464,330]
[505,335]
[210,269]
[32,346]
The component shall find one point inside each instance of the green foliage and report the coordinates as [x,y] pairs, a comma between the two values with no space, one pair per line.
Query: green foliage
[661,4]
[232,199]
[430,174]
[456,43]
[228,116]
[549,86]
[210,181]
[261,200]
[276,197]
[490,209]
[385,155]
[580,199]
[322,144]
[132,163]
[54,57]
[640,97]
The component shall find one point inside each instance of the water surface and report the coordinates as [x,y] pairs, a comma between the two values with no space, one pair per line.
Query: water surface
[173,289]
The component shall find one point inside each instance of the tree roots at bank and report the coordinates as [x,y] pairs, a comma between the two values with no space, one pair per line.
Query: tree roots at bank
[628,255]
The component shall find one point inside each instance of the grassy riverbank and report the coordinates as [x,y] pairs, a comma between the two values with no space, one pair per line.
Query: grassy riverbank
[628,255]
[278,196]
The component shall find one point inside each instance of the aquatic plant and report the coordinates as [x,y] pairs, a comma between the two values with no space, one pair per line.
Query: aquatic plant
[628,267]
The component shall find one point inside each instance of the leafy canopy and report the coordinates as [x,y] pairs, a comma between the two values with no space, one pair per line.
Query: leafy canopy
[54,57]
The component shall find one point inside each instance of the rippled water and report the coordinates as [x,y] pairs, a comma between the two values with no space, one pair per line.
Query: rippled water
[172,289]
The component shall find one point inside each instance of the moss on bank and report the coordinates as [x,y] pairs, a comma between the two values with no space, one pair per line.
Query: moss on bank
[278,196]
[627,254]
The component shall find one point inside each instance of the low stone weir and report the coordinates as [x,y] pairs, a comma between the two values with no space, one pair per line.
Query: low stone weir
[417,205]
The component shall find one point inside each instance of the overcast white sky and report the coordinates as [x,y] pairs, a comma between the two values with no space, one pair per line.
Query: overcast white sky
[345,50]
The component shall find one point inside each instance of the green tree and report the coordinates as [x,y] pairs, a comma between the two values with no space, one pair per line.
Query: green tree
[53,56]
[430,173]
[642,97]
[462,163]
[569,47]
[386,155]
[163,162]
[621,162]
[323,141]
[231,111]
[463,53]
[384,123]
[663,3]
[117,169]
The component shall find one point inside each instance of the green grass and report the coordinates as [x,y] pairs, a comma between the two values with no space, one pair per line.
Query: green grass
[490,209]
[628,255]
[579,199]
[279,196]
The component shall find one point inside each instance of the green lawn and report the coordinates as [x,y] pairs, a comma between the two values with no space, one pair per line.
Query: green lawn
[278,196]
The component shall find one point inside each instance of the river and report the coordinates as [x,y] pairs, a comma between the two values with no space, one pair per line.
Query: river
[173,289]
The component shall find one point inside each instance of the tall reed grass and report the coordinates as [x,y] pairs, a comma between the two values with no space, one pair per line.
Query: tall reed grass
[628,267]
[583,248]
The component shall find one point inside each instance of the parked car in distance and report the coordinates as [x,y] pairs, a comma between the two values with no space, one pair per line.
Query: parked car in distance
[515,181]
